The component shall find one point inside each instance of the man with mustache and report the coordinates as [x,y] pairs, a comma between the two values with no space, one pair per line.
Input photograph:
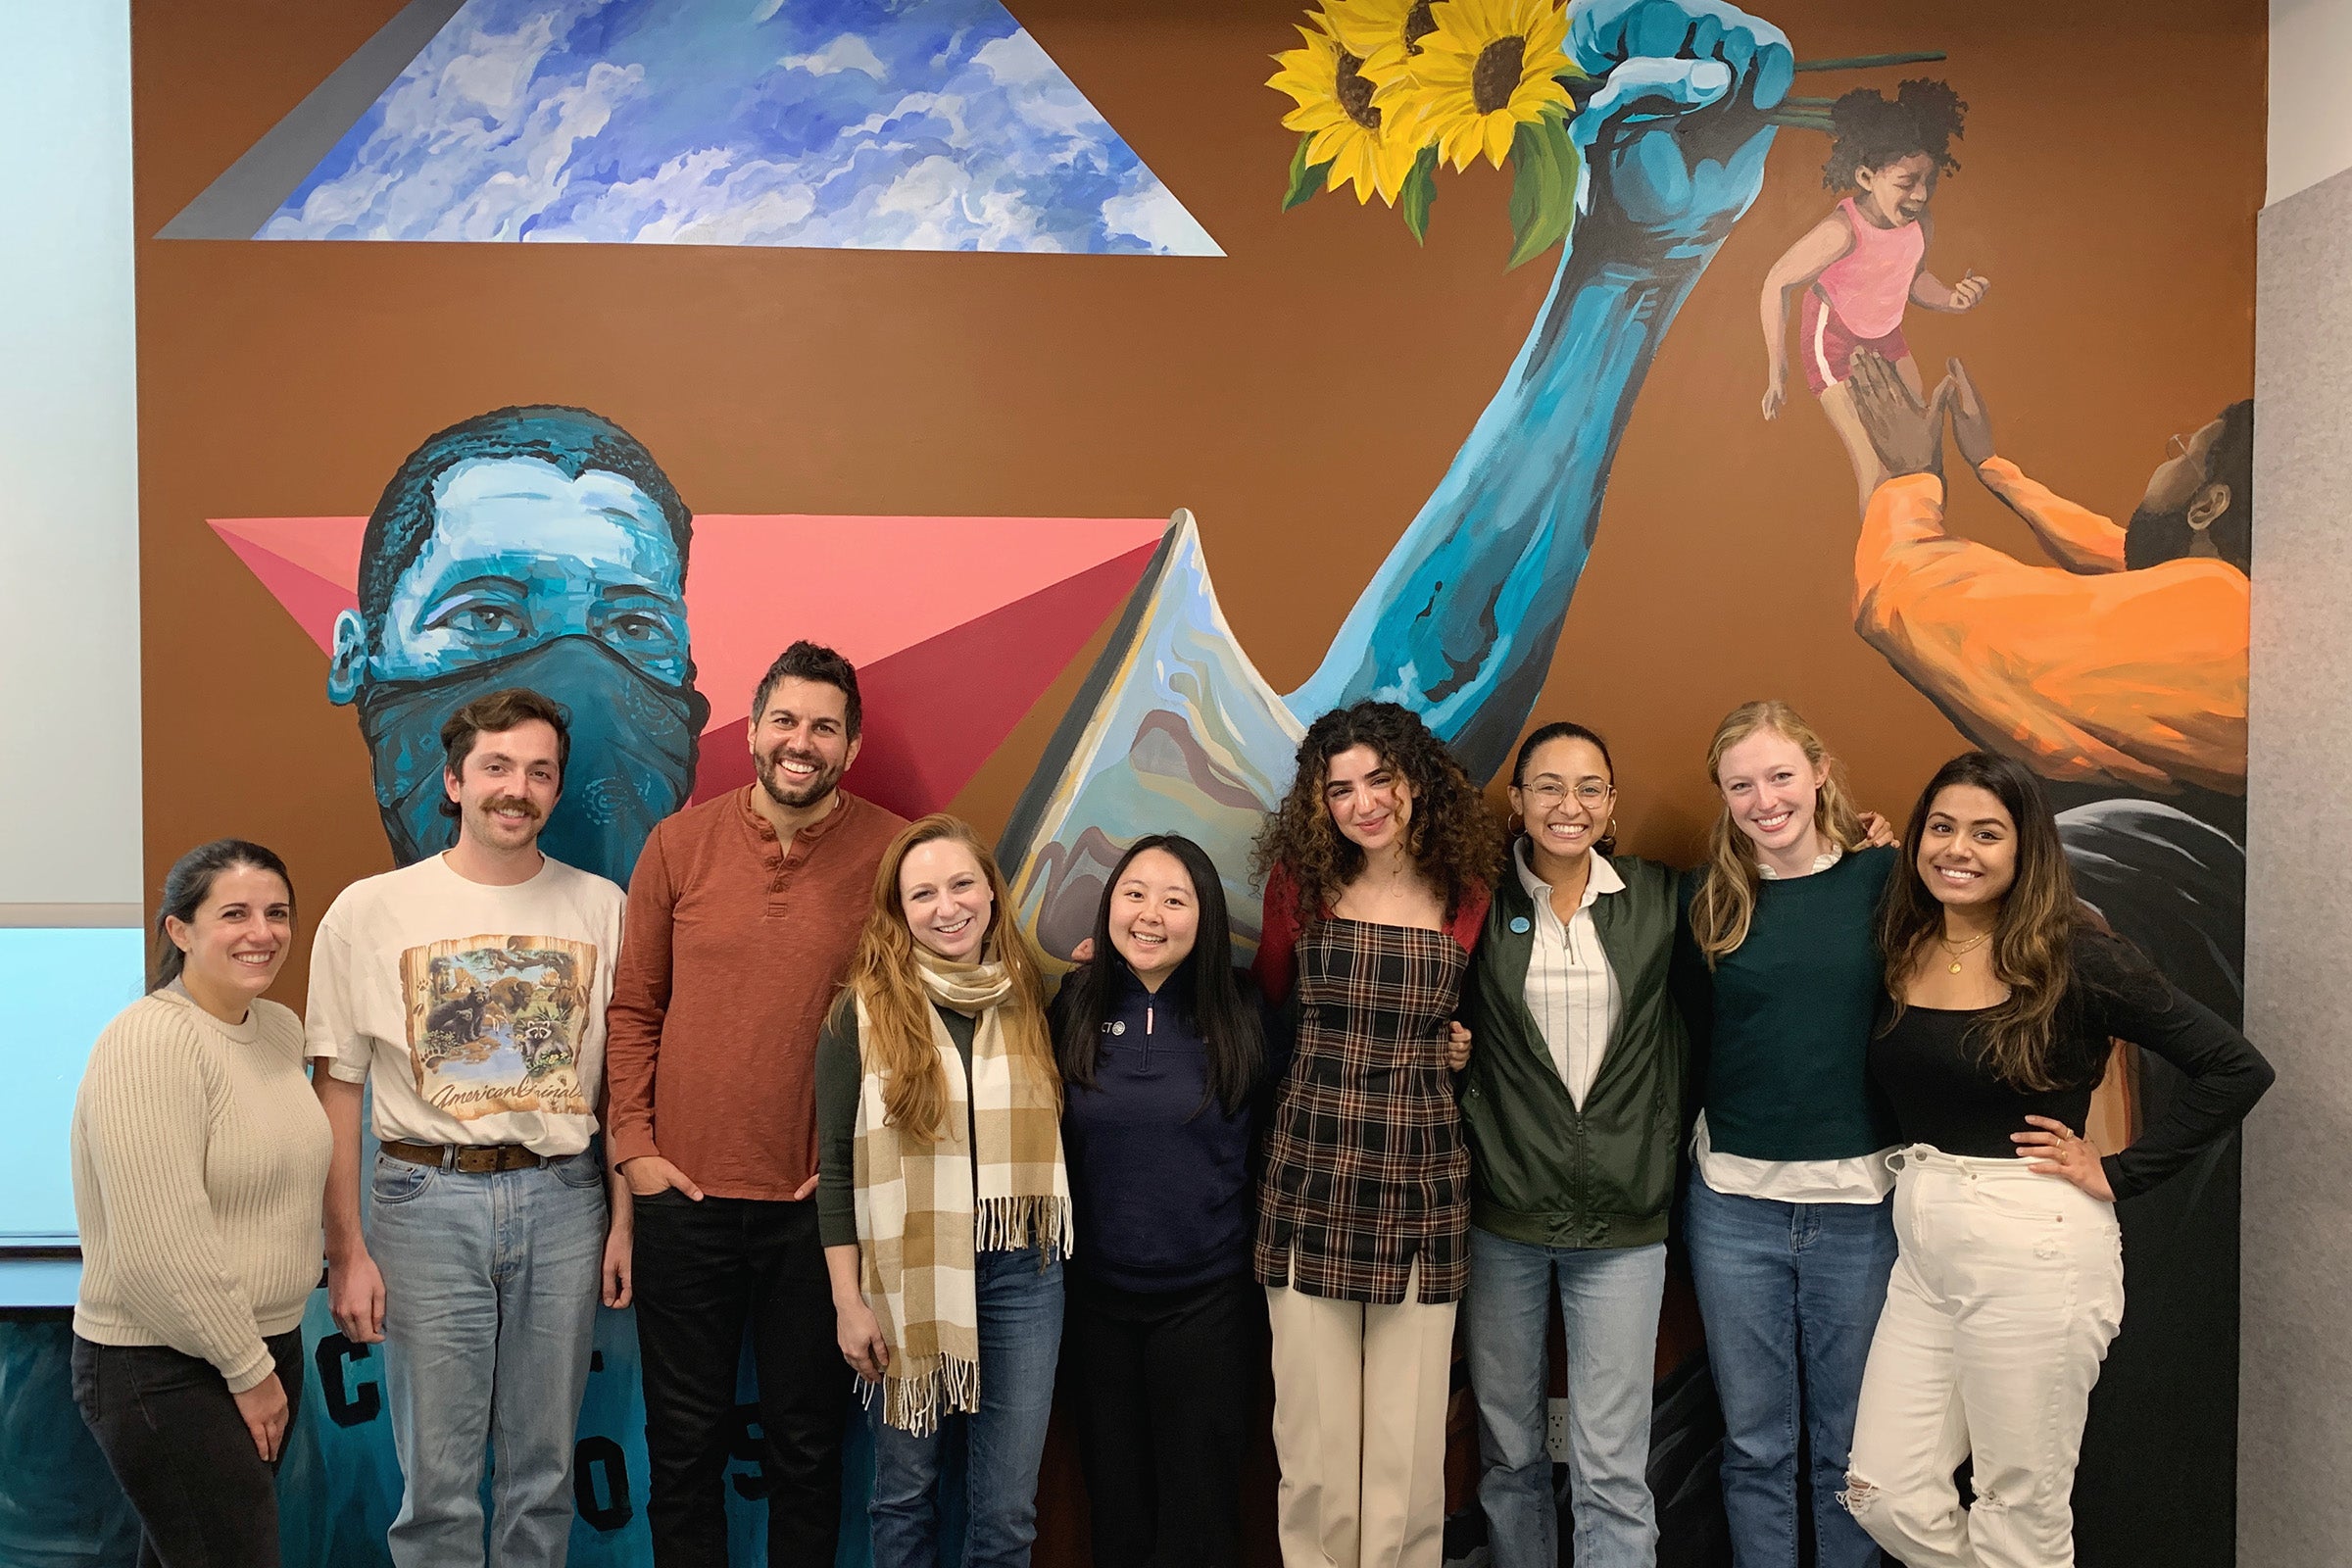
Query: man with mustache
[744,914]
[467,991]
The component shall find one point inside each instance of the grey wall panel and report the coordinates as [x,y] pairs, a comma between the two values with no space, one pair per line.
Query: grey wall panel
[2295,1427]
[238,203]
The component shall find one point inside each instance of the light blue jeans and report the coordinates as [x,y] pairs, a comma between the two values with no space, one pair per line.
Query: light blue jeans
[1790,1294]
[490,1297]
[1609,1302]
[1020,1340]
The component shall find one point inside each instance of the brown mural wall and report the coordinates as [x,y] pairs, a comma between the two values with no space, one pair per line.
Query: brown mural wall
[1300,395]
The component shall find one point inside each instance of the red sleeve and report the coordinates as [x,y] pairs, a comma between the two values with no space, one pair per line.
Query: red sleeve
[1471,917]
[640,1002]
[1278,938]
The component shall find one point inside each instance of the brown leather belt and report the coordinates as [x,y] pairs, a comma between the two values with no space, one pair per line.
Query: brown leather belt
[474,1159]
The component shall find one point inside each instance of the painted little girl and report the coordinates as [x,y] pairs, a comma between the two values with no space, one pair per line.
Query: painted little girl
[1859,268]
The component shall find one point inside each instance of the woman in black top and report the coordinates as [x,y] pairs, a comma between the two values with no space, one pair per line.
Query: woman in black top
[1165,1063]
[2009,1285]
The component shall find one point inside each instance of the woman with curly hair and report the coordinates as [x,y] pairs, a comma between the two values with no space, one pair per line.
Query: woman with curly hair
[1860,268]
[1378,869]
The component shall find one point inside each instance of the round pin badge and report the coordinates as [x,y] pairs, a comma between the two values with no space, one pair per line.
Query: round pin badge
[1521,924]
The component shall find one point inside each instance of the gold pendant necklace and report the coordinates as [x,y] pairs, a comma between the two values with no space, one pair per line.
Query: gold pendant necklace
[1962,952]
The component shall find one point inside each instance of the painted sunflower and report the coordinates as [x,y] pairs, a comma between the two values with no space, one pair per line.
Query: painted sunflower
[1382,33]
[1336,112]
[1487,67]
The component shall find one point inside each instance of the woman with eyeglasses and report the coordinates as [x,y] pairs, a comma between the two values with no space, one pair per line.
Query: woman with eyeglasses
[1571,1106]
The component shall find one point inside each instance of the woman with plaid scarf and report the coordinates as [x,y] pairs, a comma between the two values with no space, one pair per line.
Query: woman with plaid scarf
[942,1193]
[1377,870]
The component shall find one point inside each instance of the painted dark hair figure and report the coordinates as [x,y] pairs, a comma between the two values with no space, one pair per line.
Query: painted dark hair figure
[1863,266]
[539,547]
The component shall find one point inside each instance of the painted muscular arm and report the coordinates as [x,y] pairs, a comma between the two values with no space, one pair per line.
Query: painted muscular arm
[1461,620]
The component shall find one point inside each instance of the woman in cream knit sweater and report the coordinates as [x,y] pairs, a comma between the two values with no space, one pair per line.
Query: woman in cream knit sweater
[199,1159]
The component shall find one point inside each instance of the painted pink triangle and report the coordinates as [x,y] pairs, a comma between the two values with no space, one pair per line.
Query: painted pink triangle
[314,599]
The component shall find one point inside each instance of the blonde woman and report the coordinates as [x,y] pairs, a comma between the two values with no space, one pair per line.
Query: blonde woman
[1788,1225]
[941,1197]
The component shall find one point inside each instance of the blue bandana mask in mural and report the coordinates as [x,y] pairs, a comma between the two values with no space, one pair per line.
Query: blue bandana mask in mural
[632,762]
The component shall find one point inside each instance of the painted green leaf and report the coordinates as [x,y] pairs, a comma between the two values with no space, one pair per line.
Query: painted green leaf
[1305,179]
[1543,167]
[1420,191]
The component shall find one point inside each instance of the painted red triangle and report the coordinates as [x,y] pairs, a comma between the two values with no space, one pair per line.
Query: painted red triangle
[937,710]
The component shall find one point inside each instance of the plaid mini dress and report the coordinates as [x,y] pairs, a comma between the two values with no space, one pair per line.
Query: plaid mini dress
[1366,1169]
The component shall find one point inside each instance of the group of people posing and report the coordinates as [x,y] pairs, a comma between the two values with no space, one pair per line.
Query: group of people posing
[804,1082]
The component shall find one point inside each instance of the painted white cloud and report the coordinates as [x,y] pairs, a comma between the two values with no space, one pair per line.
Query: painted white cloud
[849,52]
[1157,217]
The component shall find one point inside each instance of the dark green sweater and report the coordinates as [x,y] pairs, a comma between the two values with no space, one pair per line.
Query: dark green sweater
[1783,1024]
[1542,1171]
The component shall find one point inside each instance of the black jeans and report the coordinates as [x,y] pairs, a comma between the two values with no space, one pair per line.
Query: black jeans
[171,1431]
[703,1271]
[1165,1387]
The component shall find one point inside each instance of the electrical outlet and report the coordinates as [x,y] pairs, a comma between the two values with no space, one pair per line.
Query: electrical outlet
[1555,1430]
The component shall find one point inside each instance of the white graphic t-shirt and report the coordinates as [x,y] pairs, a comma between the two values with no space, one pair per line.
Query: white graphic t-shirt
[474,1013]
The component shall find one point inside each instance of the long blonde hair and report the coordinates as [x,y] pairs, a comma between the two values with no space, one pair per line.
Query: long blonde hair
[1726,903]
[897,1043]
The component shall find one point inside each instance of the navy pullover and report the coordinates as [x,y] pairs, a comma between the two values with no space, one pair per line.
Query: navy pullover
[1161,1178]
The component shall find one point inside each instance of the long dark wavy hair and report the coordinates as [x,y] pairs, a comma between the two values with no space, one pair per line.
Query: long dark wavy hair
[1453,836]
[189,883]
[2023,1040]
[1207,998]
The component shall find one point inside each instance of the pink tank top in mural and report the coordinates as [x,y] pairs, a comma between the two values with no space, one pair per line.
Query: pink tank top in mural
[1869,285]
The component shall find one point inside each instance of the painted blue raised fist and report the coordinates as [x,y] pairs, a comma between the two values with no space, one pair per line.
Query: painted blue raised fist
[1674,135]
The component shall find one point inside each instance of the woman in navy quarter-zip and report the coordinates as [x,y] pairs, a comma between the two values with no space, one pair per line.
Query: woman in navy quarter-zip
[1164,1052]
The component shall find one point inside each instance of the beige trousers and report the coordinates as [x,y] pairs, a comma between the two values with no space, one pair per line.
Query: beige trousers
[1360,1429]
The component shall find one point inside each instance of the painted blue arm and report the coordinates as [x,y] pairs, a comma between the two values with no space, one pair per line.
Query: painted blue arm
[1461,620]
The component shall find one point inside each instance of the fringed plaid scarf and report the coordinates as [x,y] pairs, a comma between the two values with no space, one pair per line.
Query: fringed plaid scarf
[921,1220]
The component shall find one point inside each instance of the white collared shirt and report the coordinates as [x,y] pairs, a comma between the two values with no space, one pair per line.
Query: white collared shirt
[1864,1179]
[1571,991]
[1821,863]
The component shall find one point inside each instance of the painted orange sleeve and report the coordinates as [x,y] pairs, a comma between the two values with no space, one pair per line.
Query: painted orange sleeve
[2077,537]
[2096,674]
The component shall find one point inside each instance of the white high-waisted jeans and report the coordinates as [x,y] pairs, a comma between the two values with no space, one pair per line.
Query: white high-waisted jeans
[2007,1288]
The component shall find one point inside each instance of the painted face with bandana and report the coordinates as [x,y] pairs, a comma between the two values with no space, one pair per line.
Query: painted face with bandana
[570,585]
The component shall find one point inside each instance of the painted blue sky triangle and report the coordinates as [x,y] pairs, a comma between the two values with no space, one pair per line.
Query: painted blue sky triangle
[892,124]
